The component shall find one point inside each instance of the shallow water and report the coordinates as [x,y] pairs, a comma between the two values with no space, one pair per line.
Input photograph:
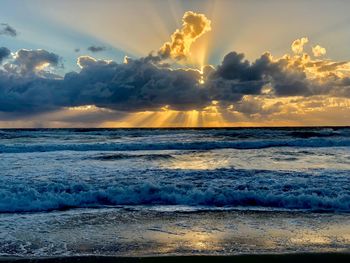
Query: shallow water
[109,191]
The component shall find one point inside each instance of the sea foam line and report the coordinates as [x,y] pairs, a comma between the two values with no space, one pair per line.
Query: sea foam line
[201,145]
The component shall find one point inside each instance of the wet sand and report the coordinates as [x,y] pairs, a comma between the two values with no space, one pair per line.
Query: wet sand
[313,257]
[142,233]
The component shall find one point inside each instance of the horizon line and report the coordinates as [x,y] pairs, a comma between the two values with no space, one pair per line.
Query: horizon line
[178,128]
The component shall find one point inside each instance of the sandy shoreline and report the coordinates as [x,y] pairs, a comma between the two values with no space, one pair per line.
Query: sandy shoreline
[143,233]
[300,257]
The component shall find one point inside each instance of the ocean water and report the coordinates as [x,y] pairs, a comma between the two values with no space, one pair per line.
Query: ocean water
[174,191]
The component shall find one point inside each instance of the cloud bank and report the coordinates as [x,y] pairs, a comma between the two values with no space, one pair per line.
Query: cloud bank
[261,88]
[140,84]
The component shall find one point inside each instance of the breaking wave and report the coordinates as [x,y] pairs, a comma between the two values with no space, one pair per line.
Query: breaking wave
[198,145]
[300,192]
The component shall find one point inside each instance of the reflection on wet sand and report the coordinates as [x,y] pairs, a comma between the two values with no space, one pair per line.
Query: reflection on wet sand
[124,232]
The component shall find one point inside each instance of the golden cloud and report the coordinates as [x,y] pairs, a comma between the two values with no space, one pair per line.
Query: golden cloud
[298,45]
[194,25]
[318,51]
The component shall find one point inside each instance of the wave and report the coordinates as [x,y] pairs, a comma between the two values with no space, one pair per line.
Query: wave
[197,145]
[120,156]
[59,196]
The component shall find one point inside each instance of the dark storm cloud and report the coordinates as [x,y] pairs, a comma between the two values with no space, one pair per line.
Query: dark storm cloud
[26,94]
[27,62]
[236,77]
[6,29]
[136,85]
[292,83]
[145,84]
[235,67]
[4,53]
[95,49]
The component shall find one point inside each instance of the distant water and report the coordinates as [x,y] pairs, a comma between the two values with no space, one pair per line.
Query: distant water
[172,171]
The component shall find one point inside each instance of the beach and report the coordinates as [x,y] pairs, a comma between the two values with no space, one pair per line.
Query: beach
[323,257]
[141,232]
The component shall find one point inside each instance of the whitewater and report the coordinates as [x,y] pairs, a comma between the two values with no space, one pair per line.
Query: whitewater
[73,178]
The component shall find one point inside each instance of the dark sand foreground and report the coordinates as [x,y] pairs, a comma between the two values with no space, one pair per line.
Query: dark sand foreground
[295,258]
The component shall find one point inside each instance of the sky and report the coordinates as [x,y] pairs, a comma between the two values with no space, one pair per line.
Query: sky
[167,63]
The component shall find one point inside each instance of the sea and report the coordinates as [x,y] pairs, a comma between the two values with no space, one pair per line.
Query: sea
[139,192]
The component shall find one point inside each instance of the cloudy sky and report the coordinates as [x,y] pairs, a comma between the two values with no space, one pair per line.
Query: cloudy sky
[158,63]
